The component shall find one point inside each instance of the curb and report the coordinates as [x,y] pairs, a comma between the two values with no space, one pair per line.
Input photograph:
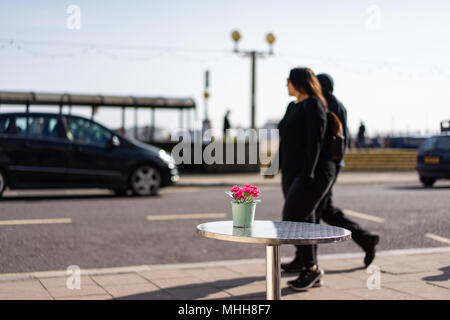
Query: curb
[221,263]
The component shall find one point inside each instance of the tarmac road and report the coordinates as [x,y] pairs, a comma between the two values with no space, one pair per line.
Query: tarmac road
[94,229]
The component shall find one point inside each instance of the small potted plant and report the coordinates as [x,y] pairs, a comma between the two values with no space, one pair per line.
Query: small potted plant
[243,204]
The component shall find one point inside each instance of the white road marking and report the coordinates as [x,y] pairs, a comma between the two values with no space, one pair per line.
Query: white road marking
[34,221]
[363,216]
[437,238]
[186,216]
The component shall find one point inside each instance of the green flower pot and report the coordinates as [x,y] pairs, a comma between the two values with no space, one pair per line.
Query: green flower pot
[243,214]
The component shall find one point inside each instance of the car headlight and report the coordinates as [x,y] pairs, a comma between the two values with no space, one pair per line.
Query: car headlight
[167,158]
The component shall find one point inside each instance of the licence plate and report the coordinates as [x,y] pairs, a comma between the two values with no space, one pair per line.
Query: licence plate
[432,160]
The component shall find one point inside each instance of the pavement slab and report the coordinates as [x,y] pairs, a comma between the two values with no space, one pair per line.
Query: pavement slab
[395,275]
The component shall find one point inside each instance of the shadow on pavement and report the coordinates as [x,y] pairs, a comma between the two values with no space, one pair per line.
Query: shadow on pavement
[203,290]
[260,295]
[286,274]
[198,291]
[344,270]
[417,187]
[445,276]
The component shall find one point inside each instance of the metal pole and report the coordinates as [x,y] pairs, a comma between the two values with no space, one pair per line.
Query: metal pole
[181,118]
[273,289]
[188,111]
[206,93]
[152,132]
[253,107]
[123,120]
[135,123]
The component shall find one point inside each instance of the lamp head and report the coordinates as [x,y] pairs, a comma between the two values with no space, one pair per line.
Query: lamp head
[270,38]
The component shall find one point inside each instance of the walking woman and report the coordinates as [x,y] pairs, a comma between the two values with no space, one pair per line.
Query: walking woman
[306,166]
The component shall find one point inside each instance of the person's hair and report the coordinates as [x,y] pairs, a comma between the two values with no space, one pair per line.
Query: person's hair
[305,81]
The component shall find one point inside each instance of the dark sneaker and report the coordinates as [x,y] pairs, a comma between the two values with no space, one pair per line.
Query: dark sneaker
[369,248]
[319,283]
[302,272]
[307,279]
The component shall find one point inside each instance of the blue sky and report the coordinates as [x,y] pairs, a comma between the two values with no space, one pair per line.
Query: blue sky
[394,74]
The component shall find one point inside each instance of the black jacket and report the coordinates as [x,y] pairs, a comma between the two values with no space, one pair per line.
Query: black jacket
[302,131]
[335,106]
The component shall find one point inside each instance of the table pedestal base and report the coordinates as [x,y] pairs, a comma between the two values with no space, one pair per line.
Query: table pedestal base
[273,289]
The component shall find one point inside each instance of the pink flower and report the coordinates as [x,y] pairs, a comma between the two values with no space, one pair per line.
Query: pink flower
[239,194]
[248,190]
[252,190]
[235,188]
[246,194]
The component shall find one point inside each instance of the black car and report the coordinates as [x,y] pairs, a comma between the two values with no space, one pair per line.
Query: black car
[433,160]
[42,150]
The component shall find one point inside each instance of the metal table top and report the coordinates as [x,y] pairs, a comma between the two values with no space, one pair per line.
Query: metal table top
[274,232]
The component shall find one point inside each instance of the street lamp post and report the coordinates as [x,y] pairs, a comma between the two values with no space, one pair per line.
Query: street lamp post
[253,54]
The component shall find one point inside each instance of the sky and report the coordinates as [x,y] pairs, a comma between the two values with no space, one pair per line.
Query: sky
[389,59]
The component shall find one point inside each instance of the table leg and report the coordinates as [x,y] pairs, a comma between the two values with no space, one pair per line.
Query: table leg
[273,290]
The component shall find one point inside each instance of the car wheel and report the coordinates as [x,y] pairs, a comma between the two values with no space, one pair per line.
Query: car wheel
[145,181]
[427,182]
[2,182]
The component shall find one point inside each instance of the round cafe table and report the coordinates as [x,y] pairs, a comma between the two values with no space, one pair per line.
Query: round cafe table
[273,234]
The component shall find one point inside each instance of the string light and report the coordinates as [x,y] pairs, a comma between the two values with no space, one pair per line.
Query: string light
[356,66]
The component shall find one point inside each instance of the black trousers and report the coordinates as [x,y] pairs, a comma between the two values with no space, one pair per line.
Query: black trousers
[335,217]
[301,200]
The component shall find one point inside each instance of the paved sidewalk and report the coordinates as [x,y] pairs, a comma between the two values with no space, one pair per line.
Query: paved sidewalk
[405,274]
[257,179]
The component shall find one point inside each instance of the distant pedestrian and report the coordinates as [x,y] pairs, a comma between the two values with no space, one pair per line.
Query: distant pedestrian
[206,131]
[226,123]
[326,211]
[361,138]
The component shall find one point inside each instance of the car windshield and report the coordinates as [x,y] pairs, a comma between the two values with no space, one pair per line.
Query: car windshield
[88,132]
[443,143]
[428,144]
[4,124]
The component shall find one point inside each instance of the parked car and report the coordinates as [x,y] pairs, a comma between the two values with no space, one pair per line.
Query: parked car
[433,160]
[42,150]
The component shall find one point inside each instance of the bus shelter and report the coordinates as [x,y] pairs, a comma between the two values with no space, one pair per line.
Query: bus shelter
[27,99]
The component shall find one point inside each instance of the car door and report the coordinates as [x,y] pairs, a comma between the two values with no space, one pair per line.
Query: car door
[5,143]
[442,150]
[94,161]
[37,150]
